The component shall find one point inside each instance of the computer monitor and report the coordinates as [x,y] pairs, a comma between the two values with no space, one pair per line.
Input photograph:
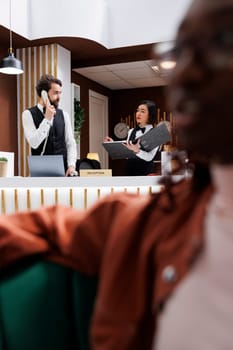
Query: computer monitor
[46,166]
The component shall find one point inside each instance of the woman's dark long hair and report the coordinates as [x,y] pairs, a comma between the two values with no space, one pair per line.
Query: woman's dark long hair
[151,108]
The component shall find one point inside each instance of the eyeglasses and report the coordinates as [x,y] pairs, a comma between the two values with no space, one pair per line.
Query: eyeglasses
[216,53]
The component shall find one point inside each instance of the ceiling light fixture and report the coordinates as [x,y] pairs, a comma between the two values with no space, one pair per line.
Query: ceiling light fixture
[163,52]
[10,64]
[167,64]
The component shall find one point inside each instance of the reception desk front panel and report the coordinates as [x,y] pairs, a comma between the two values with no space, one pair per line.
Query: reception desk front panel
[17,194]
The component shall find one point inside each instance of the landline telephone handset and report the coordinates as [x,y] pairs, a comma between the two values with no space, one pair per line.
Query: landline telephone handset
[45,98]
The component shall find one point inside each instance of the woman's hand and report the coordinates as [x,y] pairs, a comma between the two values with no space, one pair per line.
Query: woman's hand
[108,139]
[133,147]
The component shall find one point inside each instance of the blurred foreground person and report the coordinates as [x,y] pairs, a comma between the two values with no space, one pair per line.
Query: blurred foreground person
[199,315]
[164,261]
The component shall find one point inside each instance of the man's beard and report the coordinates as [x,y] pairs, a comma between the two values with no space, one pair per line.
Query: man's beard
[55,103]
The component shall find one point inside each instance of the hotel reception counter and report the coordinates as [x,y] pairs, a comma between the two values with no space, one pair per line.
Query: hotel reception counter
[25,193]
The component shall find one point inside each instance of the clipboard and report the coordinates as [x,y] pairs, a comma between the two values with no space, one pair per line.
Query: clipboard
[155,137]
[117,150]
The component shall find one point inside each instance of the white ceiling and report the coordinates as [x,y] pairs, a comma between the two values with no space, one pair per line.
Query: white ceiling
[111,23]
[128,75]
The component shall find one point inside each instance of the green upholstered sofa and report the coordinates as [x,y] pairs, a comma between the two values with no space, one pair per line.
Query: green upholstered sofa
[45,306]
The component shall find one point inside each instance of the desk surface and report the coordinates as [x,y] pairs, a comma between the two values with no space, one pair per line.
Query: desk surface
[81,181]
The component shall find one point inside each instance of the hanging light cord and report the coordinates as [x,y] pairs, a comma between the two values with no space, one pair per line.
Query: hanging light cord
[11,45]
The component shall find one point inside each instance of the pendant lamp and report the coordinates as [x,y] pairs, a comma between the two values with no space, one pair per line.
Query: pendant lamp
[10,64]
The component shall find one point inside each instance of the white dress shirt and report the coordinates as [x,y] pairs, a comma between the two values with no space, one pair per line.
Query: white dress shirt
[147,156]
[36,136]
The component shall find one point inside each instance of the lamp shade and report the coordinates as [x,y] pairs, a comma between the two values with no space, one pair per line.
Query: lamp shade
[11,65]
[94,156]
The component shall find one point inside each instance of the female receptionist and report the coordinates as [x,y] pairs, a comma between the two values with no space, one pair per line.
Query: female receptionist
[143,163]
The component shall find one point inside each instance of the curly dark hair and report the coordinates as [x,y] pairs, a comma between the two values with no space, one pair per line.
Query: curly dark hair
[45,83]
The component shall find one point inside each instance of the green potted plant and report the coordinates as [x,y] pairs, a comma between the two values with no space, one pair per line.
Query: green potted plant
[3,166]
[79,117]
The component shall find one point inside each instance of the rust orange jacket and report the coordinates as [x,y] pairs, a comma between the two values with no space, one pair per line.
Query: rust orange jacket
[139,246]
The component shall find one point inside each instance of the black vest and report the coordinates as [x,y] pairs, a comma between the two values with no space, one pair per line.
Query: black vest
[133,138]
[56,140]
[137,166]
